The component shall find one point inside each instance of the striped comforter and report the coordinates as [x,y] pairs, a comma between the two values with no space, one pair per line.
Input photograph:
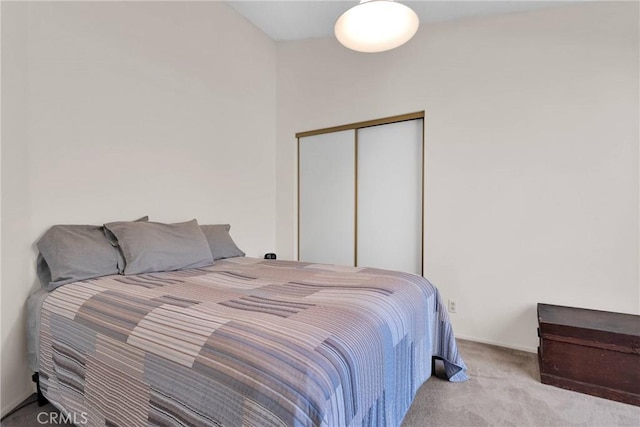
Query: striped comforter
[244,342]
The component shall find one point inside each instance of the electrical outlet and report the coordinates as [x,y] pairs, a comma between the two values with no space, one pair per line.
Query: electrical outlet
[451,307]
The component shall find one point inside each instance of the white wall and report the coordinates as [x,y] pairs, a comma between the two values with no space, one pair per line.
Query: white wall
[531,187]
[113,110]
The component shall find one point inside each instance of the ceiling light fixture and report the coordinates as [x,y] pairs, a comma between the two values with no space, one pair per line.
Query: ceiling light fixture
[376,26]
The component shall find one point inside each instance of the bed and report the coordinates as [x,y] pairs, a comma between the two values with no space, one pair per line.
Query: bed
[243,341]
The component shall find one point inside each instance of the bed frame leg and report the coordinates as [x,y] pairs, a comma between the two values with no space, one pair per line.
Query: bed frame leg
[434,373]
[41,399]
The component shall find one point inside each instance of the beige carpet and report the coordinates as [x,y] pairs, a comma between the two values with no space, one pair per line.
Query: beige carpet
[505,390]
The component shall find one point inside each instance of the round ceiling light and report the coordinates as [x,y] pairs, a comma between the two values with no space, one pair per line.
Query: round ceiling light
[376,26]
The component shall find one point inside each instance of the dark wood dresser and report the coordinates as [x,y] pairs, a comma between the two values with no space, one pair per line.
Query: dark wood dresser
[590,351]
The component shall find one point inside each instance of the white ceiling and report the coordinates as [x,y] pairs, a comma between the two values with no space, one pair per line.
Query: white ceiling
[303,19]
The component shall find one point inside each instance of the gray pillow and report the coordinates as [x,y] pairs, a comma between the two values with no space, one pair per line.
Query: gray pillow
[69,253]
[113,239]
[114,242]
[154,246]
[220,242]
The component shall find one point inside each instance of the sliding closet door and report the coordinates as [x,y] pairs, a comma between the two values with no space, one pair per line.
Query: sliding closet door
[326,194]
[389,203]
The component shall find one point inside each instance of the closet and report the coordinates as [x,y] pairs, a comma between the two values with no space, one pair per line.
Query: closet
[360,194]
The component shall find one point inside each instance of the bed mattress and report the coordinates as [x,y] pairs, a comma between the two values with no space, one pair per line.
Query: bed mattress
[242,342]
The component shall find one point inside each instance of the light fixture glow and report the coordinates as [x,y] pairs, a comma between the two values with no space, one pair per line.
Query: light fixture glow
[376,26]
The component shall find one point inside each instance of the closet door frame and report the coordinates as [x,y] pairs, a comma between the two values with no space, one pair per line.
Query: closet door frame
[355,127]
